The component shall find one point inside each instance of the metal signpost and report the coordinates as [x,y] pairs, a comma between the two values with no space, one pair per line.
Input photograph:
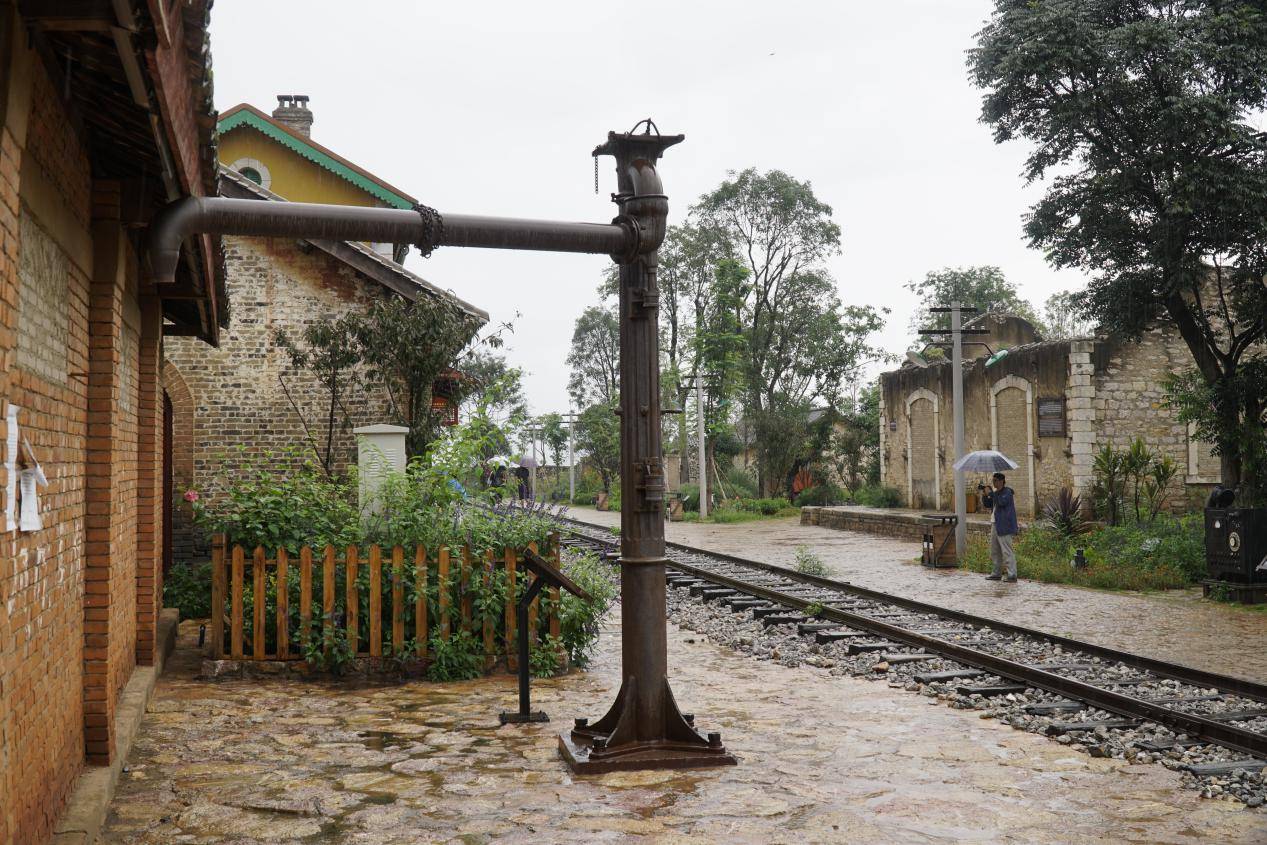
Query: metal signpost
[643,729]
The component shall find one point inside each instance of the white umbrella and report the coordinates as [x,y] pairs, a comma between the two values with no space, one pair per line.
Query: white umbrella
[529,463]
[985,460]
[501,461]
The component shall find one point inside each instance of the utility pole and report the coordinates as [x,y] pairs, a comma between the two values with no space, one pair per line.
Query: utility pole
[570,417]
[703,453]
[957,331]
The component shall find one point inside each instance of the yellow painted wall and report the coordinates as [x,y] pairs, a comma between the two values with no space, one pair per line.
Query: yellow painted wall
[294,177]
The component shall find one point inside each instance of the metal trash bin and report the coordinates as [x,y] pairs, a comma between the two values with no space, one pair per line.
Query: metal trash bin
[1236,544]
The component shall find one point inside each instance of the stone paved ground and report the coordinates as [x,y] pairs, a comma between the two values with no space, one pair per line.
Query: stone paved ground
[1176,625]
[823,759]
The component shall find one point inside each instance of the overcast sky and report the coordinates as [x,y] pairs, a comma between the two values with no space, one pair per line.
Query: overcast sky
[494,107]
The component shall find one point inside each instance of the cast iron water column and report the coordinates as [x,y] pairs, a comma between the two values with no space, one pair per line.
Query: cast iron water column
[644,728]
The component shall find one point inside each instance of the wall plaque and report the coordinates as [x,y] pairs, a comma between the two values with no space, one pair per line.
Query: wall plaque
[1051,416]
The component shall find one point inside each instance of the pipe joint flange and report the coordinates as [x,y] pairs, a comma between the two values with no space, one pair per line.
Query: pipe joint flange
[633,245]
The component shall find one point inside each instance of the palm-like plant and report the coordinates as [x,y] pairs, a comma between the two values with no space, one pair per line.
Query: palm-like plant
[1110,478]
[1064,514]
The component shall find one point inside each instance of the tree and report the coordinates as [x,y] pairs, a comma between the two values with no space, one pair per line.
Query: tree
[800,343]
[853,446]
[595,357]
[598,433]
[555,436]
[493,384]
[1146,111]
[406,345]
[327,349]
[1062,317]
[984,288]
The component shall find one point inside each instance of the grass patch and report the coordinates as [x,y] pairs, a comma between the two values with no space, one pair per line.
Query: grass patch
[1167,555]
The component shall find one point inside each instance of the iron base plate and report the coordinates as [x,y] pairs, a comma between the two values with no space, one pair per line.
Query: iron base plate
[518,718]
[652,755]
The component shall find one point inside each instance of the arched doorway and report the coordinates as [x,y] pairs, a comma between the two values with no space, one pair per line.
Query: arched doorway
[923,472]
[1012,429]
[178,467]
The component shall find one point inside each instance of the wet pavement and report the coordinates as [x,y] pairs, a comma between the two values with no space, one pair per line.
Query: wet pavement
[822,759]
[1177,625]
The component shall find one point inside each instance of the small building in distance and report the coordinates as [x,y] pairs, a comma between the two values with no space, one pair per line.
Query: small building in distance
[1048,405]
[246,393]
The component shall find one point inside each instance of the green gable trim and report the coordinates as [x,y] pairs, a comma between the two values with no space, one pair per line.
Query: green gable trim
[290,142]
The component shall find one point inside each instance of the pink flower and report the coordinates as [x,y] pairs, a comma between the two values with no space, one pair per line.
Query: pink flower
[191,495]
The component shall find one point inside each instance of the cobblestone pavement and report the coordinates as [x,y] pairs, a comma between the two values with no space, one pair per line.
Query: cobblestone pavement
[1176,625]
[822,759]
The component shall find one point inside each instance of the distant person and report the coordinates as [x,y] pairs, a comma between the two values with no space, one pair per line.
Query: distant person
[1002,503]
[523,475]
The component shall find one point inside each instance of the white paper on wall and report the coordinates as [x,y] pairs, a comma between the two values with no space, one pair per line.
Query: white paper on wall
[30,478]
[10,467]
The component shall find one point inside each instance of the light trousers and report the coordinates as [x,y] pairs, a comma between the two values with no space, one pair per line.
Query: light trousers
[1001,552]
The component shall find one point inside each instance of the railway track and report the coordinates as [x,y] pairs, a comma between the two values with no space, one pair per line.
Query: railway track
[1080,689]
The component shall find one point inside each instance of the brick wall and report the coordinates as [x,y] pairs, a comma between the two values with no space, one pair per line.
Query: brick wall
[230,397]
[74,353]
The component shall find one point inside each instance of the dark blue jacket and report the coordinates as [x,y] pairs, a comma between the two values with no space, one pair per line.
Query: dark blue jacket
[1003,504]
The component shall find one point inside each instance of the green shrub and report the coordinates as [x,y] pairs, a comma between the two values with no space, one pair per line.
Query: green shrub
[765,507]
[878,497]
[690,497]
[580,621]
[187,587]
[728,515]
[820,495]
[739,483]
[459,658]
[1168,554]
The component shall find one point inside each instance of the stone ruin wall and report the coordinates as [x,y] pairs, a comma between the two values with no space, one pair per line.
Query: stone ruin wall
[1113,393]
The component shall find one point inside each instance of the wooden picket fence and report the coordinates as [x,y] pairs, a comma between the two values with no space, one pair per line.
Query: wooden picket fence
[235,570]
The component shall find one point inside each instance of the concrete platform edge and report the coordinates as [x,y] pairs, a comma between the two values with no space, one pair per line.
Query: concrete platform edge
[85,812]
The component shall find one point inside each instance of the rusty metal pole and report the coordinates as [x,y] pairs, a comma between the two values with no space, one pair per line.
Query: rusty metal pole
[644,728]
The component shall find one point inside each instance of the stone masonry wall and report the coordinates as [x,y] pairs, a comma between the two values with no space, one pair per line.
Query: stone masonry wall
[1113,394]
[235,396]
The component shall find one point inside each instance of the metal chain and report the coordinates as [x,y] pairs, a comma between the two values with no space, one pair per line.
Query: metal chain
[596,174]
[432,229]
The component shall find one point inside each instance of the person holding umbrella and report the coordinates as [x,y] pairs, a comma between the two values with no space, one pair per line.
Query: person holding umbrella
[1002,503]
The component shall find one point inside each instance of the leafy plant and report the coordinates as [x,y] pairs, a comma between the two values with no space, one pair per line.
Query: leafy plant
[187,587]
[1064,514]
[543,657]
[814,609]
[1109,469]
[878,497]
[459,658]
[580,621]
[326,646]
[820,495]
[808,563]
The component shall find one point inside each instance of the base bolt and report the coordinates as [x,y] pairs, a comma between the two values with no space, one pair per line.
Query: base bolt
[714,739]
[582,723]
[689,718]
[599,743]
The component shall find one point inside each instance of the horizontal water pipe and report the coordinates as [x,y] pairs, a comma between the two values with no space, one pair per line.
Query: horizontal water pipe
[225,216]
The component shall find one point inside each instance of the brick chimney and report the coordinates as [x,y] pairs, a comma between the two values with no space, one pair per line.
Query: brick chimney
[292,110]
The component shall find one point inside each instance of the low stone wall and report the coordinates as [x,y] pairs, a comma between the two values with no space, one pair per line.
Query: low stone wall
[900,524]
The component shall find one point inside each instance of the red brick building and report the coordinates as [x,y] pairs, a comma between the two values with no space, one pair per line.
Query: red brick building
[105,116]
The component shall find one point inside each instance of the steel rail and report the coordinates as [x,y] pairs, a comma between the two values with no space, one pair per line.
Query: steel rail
[1223,734]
